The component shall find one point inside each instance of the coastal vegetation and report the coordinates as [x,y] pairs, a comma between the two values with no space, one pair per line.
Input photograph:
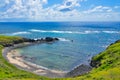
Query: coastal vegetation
[7,70]
[106,65]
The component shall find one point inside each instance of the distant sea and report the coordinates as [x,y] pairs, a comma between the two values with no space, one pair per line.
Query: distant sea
[79,41]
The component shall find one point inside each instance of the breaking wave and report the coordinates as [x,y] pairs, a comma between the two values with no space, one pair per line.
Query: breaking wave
[67,32]
[74,32]
[18,33]
[63,39]
[62,32]
[111,32]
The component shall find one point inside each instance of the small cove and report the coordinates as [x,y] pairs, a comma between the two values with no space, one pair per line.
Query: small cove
[80,41]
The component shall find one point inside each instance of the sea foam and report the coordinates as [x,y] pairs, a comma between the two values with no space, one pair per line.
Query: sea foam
[74,32]
[66,32]
[63,39]
[22,32]
[111,32]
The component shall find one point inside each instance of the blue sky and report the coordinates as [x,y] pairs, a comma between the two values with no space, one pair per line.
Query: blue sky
[59,10]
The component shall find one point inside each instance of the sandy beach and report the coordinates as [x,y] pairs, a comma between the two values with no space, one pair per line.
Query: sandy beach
[15,58]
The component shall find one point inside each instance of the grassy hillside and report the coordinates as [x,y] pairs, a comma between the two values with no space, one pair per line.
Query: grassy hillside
[107,66]
[8,39]
[10,72]
[107,63]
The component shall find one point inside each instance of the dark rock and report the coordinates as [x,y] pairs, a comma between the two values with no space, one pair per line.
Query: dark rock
[7,44]
[97,63]
[42,39]
[94,63]
[31,40]
[56,39]
[26,39]
[21,40]
[80,70]
[117,41]
[49,39]
[17,41]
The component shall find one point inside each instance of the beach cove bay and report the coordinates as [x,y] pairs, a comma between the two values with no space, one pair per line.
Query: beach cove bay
[79,41]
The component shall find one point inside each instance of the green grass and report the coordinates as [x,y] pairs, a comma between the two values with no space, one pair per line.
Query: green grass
[9,39]
[108,70]
[110,65]
[10,72]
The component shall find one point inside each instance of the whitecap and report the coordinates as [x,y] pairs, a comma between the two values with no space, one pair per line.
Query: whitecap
[91,32]
[111,32]
[52,31]
[35,30]
[22,32]
[62,32]
[63,39]
[104,46]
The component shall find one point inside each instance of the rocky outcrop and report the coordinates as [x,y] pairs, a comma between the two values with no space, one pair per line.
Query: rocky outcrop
[6,44]
[47,39]
[95,63]
[80,70]
[117,41]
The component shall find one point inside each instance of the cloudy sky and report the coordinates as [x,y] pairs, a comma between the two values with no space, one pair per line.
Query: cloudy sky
[59,10]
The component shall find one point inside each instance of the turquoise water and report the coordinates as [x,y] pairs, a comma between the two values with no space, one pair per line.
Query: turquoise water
[89,39]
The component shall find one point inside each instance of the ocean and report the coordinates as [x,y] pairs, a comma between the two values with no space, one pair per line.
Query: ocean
[79,41]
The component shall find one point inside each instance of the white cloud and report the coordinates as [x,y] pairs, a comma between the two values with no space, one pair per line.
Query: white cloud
[99,9]
[23,8]
[45,1]
[7,1]
[69,5]
[33,10]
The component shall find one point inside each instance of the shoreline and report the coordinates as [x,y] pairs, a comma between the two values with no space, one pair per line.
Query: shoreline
[12,56]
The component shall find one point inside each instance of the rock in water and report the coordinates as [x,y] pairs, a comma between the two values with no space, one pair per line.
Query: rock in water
[49,39]
[56,39]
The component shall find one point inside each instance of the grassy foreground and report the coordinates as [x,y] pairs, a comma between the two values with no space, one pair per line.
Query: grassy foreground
[107,62]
